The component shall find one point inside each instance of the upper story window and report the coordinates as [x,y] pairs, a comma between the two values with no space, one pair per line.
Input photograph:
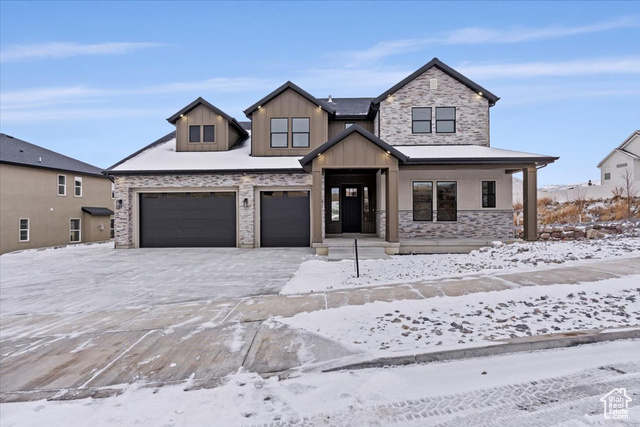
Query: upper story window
[445,119]
[77,186]
[488,194]
[209,133]
[24,230]
[62,185]
[279,133]
[300,132]
[423,201]
[194,133]
[421,120]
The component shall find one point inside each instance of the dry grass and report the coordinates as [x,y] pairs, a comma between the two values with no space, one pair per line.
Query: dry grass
[550,212]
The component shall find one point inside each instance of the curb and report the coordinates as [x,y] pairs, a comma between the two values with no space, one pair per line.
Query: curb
[516,345]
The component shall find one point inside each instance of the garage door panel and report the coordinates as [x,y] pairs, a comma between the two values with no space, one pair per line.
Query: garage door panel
[285,219]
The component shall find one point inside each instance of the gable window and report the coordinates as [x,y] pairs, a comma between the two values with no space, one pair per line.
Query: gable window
[621,165]
[279,133]
[488,194]
[74,230]
[209,133]
[194,133]
[445,119]
[446,194]
[423,201]
[24,230]
[62,185]
[421,120]
[300,132]
[77,186]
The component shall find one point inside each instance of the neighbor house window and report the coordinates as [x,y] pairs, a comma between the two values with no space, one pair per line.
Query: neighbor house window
[445,119]
[77,186]
[446,194]
[621,165]
[112,224]
[300,132]
[488,194]
[74,230]
[607,176]
[335,204]
[24,230]
[279,133]
[194,133]
[62,185]
[113,190]
[421,120]
[209,133]
[423,201]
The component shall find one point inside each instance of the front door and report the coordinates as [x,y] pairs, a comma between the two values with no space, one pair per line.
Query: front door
[351,208]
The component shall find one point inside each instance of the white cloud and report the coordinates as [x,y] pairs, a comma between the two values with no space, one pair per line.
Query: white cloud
[55,50]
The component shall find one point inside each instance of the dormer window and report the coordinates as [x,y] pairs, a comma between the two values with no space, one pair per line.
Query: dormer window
[209,133]
[279,133]
[194,133]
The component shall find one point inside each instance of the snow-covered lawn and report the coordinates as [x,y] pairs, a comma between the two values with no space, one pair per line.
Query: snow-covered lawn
[320,275]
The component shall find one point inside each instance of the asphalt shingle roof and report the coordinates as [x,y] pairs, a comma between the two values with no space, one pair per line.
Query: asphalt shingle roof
[349,106]
[97,211]
[19,152]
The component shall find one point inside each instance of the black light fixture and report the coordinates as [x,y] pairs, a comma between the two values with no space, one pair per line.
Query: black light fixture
[245,203]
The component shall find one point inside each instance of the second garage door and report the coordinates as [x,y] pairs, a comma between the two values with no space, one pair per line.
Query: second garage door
[284,219]
[170,220]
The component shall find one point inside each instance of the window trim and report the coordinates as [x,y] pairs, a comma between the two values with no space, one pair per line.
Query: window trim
[64,186]
[413,121]
[278,133]
[455,203]
[20,230]
[413,209]
[79,230]
[455,116]
[293,133]
[76,180]
[495,188]
[214,134]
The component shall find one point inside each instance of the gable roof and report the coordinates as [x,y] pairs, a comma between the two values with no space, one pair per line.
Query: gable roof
[289,85]
[350,107]
[621,148]
[201,101]
[18,152]
[435,62]
[344,134]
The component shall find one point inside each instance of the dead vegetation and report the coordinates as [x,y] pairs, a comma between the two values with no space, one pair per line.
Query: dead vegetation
[583,211]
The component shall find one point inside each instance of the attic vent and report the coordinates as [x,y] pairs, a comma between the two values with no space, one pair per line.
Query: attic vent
[433,83]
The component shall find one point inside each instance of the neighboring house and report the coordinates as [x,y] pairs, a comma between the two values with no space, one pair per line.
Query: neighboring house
[622,160]
[47,199]
[412,166]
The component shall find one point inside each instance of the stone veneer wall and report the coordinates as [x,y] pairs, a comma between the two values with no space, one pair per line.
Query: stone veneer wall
[381,225]
[245,184]
[470,225]
[472,112]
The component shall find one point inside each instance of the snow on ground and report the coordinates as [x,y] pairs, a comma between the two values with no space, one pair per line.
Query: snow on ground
[320,275]
[478,319]
[364,397]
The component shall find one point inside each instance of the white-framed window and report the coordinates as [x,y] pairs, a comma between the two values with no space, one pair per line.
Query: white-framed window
[23,234]
[74,230]
[77,186]
[113,190]
[62,185]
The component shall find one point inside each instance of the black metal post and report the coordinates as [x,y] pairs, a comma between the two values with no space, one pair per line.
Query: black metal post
[355,244]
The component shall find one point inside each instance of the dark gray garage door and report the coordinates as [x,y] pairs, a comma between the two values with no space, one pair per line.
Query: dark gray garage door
[170,220]
[284,219]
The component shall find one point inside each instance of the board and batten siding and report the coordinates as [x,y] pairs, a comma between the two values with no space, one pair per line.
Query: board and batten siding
[355,151]
[199,116]
[289,105]
[337,126]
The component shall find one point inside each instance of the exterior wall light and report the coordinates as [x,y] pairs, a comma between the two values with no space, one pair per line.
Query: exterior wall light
[245,203]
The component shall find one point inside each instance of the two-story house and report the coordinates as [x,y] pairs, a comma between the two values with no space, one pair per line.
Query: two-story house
[412,166]
[622,162]
[48,199]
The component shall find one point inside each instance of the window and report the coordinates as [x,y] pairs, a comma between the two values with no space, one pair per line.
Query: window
[446,198]
[62,185]
[279,133]
[421,120]
[607,172]
[335,204]
[351,192]
[366,205]
[112,233]
[621,165]
[209,133]
[423,201]
[77,186]
[445,119]
[74,230]
[348,125]
[194,133]
[300,132]
[113,190]
[488,194]
[24,230]
[607,176]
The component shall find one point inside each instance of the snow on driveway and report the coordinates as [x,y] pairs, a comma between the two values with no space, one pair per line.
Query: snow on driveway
[320,275]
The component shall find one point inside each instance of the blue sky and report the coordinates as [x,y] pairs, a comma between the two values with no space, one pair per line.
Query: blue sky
[96,80]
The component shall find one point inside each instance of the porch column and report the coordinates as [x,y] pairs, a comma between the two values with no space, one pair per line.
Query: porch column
[391,205]
[530,203]
[316,207]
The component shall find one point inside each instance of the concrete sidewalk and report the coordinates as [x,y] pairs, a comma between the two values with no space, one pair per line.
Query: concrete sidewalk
[88,354]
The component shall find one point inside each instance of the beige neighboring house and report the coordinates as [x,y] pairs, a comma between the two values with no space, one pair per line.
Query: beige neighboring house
[626,157]
[47,199]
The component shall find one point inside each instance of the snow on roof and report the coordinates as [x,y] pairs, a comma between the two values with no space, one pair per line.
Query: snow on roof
[461,152]
[164,157]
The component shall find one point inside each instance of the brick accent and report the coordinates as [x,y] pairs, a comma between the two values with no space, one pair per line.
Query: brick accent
[476,224]
[472,112]
[244,184]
